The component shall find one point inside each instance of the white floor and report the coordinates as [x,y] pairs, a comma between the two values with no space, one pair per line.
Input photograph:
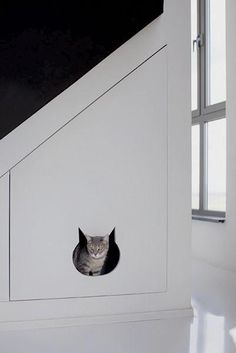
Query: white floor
[213,329]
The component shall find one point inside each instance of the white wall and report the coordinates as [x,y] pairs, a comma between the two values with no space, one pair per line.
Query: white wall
[216,243]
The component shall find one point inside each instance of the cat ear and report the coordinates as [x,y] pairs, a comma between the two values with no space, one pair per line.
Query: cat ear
[88,238]
[106,238]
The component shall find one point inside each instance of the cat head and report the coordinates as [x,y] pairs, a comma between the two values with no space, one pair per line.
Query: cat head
[97,246]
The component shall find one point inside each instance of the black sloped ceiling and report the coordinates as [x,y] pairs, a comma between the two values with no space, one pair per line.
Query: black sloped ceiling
[45,47]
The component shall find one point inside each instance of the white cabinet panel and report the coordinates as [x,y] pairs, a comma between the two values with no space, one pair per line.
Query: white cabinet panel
[107,168]
[4,238]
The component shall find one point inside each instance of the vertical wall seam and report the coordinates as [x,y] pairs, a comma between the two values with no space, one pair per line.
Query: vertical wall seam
[167,171]
[9,238]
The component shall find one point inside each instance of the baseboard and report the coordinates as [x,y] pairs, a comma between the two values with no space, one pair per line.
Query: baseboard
[95,320]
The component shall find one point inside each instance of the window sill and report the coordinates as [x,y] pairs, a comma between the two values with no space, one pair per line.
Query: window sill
[213,219]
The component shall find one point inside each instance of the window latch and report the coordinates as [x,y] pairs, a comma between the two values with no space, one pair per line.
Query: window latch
[198,42]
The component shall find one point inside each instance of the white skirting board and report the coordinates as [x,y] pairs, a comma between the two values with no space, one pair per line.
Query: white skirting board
[94,320]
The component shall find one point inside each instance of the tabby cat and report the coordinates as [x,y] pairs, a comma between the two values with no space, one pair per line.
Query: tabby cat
[90,255]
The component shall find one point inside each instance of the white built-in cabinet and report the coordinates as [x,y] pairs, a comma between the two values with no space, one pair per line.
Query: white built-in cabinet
[107,168]
[113,150]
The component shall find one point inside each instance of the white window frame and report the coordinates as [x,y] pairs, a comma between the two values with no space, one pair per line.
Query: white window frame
[202,115]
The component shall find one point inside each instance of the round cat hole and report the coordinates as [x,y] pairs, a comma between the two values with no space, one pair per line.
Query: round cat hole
[96,255]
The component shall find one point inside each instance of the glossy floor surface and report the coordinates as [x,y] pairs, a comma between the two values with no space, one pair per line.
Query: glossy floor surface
[212,330]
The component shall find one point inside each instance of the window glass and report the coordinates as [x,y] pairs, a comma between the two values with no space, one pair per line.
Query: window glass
[195,166]
[215,51]
[216,162]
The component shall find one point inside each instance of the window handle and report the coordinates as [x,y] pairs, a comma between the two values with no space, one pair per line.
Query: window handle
[198,42]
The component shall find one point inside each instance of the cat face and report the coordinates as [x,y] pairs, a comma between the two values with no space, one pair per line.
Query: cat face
[97,246]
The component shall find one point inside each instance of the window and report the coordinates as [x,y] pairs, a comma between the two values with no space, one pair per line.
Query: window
[208,109]
[195,166]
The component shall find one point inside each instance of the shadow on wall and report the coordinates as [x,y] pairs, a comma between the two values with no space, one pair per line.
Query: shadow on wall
[44,48]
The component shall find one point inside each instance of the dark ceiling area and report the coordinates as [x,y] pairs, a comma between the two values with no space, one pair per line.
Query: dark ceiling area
[45,47]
